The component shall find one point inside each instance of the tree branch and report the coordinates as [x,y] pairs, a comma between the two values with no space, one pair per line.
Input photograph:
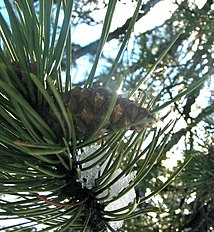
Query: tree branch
[182,132]
[92,47]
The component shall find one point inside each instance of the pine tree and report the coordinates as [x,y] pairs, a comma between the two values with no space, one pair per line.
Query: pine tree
[61,159]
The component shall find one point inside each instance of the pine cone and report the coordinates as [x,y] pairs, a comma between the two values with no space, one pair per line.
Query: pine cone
[88,106]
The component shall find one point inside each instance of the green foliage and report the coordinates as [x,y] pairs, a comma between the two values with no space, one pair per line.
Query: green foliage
[48,177]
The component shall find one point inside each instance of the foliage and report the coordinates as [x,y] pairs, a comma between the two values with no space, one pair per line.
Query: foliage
[60,180]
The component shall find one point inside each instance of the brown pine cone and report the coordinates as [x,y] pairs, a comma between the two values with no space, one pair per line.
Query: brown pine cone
[88,106]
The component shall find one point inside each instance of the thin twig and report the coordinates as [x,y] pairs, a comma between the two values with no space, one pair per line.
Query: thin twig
[43,198]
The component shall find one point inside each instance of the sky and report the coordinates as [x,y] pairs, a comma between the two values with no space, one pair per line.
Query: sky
[163,10]
[122,12]
[157,16]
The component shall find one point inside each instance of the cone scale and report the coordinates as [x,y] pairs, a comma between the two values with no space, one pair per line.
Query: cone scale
[88,107]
